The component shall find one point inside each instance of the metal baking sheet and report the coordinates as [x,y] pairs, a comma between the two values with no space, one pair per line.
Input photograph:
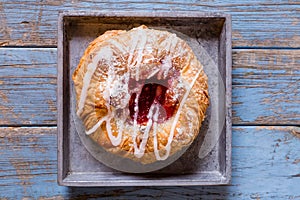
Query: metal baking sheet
[208,160]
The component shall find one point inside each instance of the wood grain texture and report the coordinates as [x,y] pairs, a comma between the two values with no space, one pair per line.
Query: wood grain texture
[266,165]
[266,86]
[267,23]
[27,86]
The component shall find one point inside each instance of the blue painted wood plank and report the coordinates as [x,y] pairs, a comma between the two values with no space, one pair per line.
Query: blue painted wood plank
[28,86]
[265,161]
[266,86]
[267,23]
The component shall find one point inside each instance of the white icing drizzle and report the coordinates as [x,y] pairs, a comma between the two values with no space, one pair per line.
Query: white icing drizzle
[173,43]
[115,85]
[106,95]
[139,151]
[138,43]
[153,73]
[135,116]
[114,140]
[118,45]
[141,48]
[155,118]
[105,54]
[176,118]
[170,43]
[136,111]
[134,43]
[165,67]
[96,126]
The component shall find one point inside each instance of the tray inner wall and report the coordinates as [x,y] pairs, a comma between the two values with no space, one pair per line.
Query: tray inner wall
[80,31]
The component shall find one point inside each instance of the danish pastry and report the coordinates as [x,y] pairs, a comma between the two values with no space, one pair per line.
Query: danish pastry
[141,94]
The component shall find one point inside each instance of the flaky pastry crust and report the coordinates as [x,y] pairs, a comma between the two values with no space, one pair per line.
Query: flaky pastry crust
[102,85]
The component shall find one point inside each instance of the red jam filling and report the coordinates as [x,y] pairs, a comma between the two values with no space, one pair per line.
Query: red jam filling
[152,93]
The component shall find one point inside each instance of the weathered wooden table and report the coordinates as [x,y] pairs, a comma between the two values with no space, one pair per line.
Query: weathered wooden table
[266,100]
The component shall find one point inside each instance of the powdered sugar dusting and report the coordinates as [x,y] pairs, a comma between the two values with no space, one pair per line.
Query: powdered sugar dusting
[116,91]
[104,54]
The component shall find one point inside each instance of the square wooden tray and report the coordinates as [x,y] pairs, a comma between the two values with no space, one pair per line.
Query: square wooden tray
[208,32]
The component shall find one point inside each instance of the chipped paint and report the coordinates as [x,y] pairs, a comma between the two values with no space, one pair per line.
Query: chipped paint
[264,94]
[25,131]
[30,84]
[35,32]
[52,105]
[263,25]
[296,161]
[275,128]
[24,173]
[252,170]
[296,132]
[273,99]
[295,175]
[293,130]
[52,198]
[5,31]
[295,21]
[3,96]
[257,172]
[6,114]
